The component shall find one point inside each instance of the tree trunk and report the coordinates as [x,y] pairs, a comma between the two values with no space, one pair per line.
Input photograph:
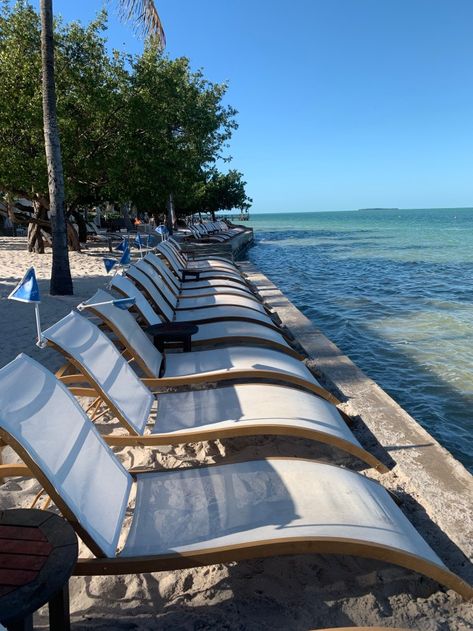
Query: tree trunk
[126,216]
[11,213]
[35,238]
[73,238]
[170,214]
[61,281]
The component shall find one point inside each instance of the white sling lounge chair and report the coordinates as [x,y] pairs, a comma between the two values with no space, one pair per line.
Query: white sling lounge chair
[195,516]
[212,333]
[199,316]
[198,302]
[215,365]
[240,410]
[186,262]
[181,291]
[222,284]
[204,273]
[191,257]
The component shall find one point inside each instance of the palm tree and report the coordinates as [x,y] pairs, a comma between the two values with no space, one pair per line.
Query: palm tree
[146,18]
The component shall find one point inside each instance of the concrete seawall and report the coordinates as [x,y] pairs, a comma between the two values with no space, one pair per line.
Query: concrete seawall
[427,472]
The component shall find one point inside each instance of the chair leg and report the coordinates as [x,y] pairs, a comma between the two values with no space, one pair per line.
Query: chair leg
[59,617]
[26,624]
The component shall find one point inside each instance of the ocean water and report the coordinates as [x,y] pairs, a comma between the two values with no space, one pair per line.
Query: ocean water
[394,290]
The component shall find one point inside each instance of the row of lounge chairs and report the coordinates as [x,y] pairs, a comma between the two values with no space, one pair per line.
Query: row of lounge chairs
[213,231]
[201,515]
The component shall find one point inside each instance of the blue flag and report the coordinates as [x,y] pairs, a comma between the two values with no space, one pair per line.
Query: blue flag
[121,247]
[27,289]
[109,264]
[125,259]
[139,241]
[124,303]
[162,230]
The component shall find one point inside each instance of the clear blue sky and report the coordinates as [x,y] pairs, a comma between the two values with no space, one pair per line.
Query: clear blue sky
[342,103]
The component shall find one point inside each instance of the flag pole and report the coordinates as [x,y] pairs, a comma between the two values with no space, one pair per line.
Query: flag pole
[40,341]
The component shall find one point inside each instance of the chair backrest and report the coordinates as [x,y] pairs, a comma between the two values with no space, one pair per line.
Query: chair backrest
[161,267]
[176,249]
[124,285]
[100,360]
[170,256]
[41,418]
[128,331]
[144,281]
[147,268]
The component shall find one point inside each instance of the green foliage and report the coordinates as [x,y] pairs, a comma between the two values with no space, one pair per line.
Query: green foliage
[178,125]
[217,191]
[132,129]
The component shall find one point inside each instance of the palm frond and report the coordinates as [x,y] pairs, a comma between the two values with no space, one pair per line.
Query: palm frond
[145,17]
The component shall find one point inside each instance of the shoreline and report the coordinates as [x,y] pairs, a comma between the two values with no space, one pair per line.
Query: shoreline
[438,482]
[296,592]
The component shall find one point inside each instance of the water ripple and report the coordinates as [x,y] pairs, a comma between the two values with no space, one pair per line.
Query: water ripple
[395,294]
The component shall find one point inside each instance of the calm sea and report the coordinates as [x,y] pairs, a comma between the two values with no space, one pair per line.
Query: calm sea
[394,290]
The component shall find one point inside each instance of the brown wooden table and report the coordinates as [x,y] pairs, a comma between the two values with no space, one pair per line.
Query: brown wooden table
[38,551]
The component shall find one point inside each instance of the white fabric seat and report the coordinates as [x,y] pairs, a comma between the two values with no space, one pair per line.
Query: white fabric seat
[208,362]
[195,516]
[200,263]
[41,415]
[205,272]
[250,302]
[235,358]
[199,316]
[230,332]
[181,290]
[229,505]
[183,416]
[104,365]
[246,404]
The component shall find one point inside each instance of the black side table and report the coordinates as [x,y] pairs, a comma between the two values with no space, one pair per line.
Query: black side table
[190,274]
[38,552]
[173,332]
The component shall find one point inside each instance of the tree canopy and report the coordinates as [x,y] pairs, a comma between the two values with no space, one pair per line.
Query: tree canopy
[134,129]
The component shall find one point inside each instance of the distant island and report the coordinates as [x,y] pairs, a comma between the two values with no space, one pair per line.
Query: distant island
[377,209]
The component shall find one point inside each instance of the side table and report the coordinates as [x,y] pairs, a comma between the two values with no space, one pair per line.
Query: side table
[38,552]
[175,332]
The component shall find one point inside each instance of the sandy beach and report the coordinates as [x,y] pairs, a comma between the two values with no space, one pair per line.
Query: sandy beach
[291,593]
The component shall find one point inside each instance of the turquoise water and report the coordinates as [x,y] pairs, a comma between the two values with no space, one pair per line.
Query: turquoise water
[394,290]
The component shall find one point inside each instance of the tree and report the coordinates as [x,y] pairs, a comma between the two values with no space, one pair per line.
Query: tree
[91,93]
[146,15]
[225,191]
[178,126]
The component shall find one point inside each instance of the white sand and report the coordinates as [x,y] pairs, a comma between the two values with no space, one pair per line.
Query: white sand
[280,593]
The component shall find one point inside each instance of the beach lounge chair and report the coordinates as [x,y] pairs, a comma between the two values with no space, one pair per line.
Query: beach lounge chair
[187,262]
[182,291]
[183,369]
[198,261]
[229,411]
[177,302]
[222,284]
[199,316]
[212,333]
[195,516]
[204,273]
